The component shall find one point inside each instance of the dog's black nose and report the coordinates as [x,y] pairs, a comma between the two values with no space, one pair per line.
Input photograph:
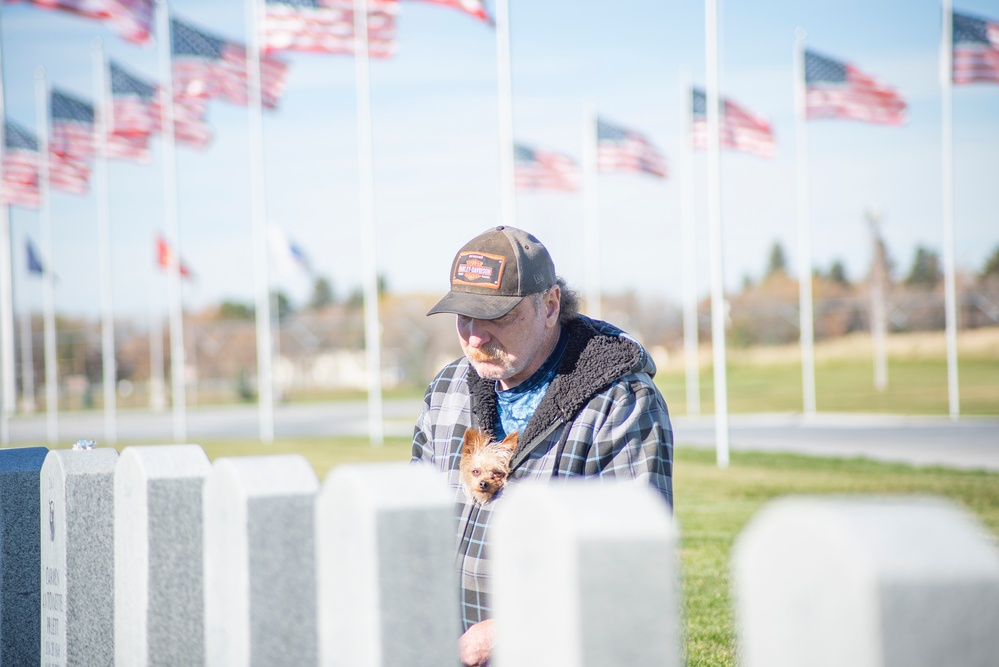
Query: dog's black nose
[483,485]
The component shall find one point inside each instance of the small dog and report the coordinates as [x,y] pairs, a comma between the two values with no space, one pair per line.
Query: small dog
[485,463]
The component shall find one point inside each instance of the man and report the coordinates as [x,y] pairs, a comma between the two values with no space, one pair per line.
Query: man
[579,392]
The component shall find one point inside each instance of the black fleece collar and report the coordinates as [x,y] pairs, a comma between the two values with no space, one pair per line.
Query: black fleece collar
[592,361]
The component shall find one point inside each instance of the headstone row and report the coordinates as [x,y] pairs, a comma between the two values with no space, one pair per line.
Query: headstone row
[159,557]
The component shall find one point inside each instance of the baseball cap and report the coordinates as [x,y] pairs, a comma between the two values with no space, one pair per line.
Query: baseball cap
[494,271]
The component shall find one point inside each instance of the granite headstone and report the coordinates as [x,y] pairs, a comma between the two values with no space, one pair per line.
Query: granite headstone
[159,597]
[260,562]
[77,557]
[585,573]
[388,593]
[20,587]
[866,582]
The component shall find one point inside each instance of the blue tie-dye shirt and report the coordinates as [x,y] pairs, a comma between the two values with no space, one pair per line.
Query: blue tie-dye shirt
[516,405]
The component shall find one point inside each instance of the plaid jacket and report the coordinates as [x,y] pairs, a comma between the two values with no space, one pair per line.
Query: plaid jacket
[601,417]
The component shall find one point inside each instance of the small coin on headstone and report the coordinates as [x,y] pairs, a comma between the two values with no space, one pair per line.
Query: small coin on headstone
[85,444]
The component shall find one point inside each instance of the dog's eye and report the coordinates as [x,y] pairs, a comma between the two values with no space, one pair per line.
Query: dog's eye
[475,472]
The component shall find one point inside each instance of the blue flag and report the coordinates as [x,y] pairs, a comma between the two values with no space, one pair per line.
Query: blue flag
[34,264]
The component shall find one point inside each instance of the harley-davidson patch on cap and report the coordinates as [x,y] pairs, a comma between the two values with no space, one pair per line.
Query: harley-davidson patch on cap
[477,269]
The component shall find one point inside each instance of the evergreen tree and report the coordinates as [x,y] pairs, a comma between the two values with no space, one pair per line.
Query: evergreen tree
[925,271]
[992,265]
[234,310]
[837,273]
[322,294]
[777,260]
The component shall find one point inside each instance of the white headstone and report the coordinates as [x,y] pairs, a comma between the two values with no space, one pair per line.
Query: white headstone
[159,597]
[20,588]
[585,574]
[867,583]
[388,593]
[77,557]
[260,562]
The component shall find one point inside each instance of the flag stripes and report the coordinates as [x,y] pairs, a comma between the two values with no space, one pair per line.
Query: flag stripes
[543,170]
[620,149]
[740,130]
[976,49]
[835,89]
[327,26]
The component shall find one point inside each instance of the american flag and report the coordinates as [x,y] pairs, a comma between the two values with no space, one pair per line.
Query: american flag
[134,104]
[476,8]
[327,26]
[835,89]
[205,66]
[136,110]
[619,149]
[976,50]
[73,132]
[20,169]
[543,170]
[740,130]
[132,18]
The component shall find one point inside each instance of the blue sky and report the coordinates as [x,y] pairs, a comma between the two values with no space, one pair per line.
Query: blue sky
[434,114]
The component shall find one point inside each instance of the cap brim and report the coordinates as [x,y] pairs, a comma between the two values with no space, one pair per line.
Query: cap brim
[479,306]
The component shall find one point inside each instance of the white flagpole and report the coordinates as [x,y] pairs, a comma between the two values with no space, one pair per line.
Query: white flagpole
[101,127]
[508,197]
[591,211]
[27,362]
[805,310]
[688,233]
[718,314]
[157,398]
[261,273]
[174,296]
[48,276]
[365,165]
[8,389]
[947,132]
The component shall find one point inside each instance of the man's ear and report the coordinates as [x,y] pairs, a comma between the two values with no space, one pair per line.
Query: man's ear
[553,304]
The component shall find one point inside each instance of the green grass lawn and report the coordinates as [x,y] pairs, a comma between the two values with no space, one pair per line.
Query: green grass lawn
[712,506]
[915,386]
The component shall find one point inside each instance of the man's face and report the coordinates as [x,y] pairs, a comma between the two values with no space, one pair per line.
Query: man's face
[511,348]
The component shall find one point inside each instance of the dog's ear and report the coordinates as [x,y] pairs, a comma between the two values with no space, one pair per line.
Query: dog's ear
[510,441]
[473,440]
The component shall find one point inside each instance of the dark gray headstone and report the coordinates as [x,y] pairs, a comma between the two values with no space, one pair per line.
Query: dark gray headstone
[388,592]
[20,598]
[77,557]
[866,582]
[159,597]
[260,562]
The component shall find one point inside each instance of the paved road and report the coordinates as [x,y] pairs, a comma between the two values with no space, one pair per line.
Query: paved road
[971,442]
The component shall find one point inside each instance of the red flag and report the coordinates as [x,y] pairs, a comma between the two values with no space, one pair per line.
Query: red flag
[165,258]
[327,26]
[835,89]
